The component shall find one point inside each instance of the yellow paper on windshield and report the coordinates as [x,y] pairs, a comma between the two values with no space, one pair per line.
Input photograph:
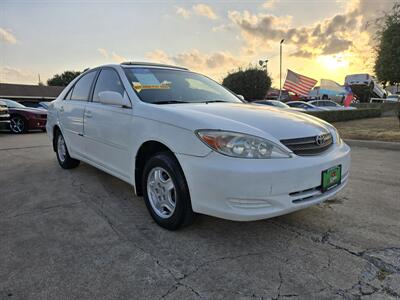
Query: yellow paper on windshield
[147,81]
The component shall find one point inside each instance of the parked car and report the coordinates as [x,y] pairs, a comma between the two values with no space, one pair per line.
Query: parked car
[24,118]
[330,105]
[393,98]
[276,103]
[188,145]
[4,116]
[304,105]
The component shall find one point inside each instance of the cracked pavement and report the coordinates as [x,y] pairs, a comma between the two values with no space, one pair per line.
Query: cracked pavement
[82,234]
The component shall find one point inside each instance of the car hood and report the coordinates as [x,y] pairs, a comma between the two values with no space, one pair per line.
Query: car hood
[29,110]
[265,121]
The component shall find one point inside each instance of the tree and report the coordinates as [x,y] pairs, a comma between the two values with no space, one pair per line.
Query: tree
[64,79]
[387,63]
[253,83]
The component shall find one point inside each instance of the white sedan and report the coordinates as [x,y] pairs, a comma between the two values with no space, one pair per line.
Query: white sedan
[330,105]
[188,145]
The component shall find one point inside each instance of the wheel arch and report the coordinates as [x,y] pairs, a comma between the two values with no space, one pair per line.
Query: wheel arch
[15,114]
[144,153]
[56,129]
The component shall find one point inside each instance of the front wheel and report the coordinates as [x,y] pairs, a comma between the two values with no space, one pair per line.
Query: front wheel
[166,193]
[65,161]
[18,125]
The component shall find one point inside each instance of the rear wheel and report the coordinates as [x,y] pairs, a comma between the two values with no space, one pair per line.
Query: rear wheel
[166,192]
[65,161]
[18,124]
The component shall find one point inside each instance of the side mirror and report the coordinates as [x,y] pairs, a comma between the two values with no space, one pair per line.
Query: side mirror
[113,98]
[240,97]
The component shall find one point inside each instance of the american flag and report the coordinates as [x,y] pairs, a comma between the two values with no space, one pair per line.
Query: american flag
[299,84]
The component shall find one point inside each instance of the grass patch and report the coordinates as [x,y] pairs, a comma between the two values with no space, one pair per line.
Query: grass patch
[346,115]
[385,129]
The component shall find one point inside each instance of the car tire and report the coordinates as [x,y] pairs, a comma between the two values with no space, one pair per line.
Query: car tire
[65,161]
[18,124]
[166,193]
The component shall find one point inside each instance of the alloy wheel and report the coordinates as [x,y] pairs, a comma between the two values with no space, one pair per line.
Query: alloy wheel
[61,148]
[161,192]
[17,125]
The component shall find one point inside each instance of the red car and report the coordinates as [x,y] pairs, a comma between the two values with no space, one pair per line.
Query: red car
[24,118]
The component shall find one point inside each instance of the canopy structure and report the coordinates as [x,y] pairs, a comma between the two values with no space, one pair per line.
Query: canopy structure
[331,88]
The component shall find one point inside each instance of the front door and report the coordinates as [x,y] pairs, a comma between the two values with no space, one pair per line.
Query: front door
[106,127]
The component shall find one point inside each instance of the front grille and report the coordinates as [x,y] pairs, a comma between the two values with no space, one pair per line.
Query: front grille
[312,145]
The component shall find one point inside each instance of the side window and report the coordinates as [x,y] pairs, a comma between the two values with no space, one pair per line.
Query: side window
[81,89]
[68,95]
[108,80]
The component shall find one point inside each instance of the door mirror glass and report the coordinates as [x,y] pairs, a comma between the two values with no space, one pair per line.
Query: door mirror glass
[113,98]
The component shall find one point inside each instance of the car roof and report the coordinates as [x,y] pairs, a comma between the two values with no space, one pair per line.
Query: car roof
[297,101]
[149,64]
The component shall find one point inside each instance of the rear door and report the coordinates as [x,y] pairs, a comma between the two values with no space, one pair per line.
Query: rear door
[107,134]
[71,112]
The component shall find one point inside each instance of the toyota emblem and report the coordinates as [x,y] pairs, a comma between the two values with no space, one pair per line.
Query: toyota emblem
[320,139]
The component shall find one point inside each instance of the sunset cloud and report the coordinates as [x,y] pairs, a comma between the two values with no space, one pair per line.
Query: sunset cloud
[327,37]
[103,52]
[214,64]
[184,13]
[200,9]
[269,4]
[7,37]
[205,11]
[114,56]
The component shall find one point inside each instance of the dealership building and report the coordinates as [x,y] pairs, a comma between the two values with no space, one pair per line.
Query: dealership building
[29,93]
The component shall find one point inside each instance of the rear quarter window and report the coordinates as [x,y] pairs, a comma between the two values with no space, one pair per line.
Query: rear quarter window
[82,87]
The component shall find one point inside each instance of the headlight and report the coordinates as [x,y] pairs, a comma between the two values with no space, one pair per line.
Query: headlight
[335,135]
[241,145]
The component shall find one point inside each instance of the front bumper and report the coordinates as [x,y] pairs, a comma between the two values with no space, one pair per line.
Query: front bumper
[253,189]
[5,121]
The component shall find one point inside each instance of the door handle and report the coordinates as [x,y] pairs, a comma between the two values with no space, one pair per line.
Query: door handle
[61,108]
[88,114]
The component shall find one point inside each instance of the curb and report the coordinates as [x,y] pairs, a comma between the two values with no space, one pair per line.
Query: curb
[374,144]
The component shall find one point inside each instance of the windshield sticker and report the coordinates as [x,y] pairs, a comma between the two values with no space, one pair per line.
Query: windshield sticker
[138,86]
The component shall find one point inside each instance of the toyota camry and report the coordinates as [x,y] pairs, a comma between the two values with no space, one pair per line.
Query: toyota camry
[188,145]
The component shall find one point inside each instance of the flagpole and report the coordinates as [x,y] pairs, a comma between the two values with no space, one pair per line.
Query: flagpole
[280,69]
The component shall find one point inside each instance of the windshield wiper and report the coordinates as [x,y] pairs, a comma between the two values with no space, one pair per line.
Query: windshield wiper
[213,101]
[170,102]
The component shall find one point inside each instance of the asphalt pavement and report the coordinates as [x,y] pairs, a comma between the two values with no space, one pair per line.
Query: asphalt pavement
[81,234]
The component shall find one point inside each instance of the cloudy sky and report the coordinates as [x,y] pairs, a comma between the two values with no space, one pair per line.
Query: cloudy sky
[323,38]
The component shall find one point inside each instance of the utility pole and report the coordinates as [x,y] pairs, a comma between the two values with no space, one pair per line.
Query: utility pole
[280,68]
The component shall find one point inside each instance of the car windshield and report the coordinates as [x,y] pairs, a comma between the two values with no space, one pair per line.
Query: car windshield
[278,104]
[165,86]
[13,104]
[330,103]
